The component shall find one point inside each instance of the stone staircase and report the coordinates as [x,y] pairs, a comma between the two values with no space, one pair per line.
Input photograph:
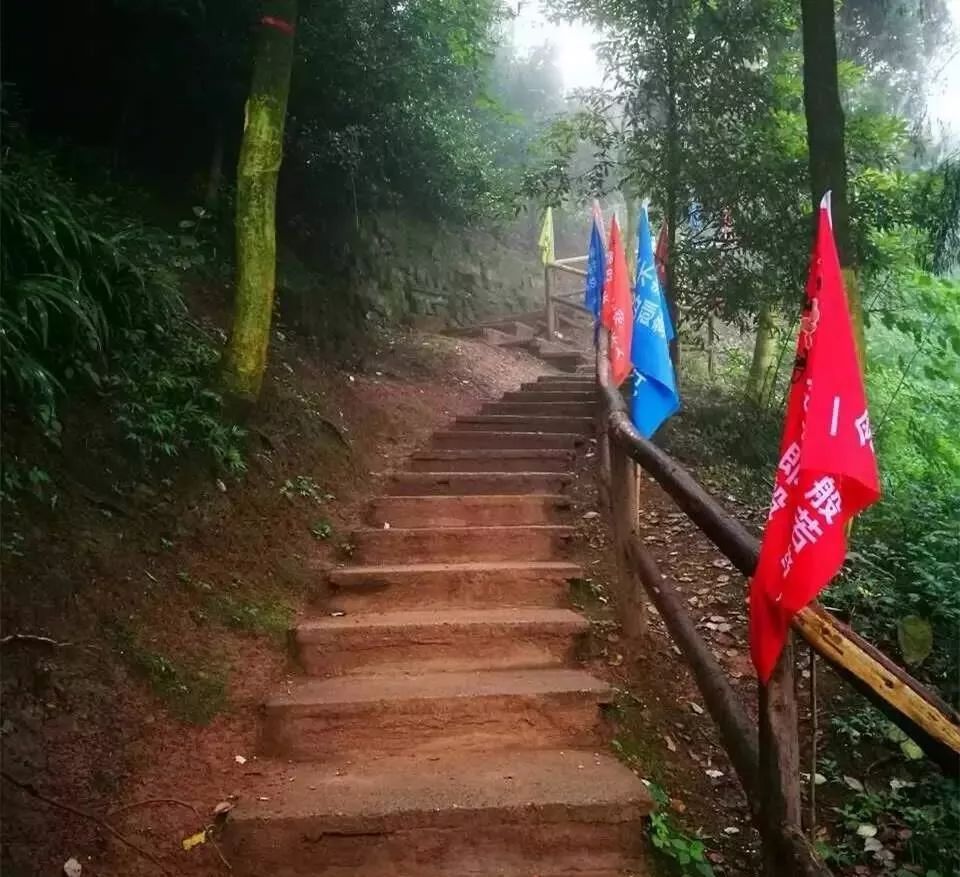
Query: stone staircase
[442,727]
[527,331]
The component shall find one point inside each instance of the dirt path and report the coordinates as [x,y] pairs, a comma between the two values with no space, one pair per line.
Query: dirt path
[192,577]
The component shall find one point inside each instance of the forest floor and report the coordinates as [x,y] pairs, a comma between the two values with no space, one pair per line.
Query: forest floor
[171,597]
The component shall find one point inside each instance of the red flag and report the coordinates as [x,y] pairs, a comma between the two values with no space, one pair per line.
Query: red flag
[617,310]
[827,471]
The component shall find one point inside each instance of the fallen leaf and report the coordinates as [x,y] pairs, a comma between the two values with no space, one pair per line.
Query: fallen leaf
[731,829]
[188,843]
[915,637]
[696,708]
[670,744]
[239,759]
[910,750]
[72,868]
[714,774]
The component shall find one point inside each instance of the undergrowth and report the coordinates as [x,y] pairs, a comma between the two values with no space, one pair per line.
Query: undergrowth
[92,306]
[192,692]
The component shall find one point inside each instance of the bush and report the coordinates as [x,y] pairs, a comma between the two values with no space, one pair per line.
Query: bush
[91,301]
[73,276]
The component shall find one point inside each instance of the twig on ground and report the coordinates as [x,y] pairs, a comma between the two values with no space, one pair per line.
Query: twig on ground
[69,808]
[152,802]
[37,639]
[176,802]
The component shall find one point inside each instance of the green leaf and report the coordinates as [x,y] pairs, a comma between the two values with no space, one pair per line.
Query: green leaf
[915,636]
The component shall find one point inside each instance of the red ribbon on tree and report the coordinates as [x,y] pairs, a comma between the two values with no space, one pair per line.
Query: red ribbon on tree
[828,469]
[278,23]
[617,310]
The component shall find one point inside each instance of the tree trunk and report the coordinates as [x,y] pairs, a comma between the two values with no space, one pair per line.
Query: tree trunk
[261,151]
[211,198]
[630,242]
[672,188]
[825,137]
[764,350]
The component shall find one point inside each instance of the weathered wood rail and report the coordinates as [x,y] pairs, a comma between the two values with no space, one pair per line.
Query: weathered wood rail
[765,758]
[565,300]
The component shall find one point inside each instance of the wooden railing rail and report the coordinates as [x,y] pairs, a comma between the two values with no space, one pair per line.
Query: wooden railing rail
[766,759]
[552,298]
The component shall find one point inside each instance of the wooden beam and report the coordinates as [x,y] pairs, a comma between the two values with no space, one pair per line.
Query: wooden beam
[569,269]
[572,305]
[779,765]
[736,730]
[923,716]
[549,313]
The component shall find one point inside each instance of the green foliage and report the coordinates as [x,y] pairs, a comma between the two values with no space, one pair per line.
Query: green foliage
[322,529]
[306,487]
[903,825]
[689,854]
[73,275]
[161,400]
[191,692]
[91,303]
[254,616]
[236,607]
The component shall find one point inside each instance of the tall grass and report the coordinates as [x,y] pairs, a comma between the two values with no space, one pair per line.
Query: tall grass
[74,274]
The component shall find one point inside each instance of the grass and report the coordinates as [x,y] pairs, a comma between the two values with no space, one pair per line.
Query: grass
[191,692]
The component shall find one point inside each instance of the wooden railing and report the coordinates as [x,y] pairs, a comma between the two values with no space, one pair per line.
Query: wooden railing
[765,755]
[554,299]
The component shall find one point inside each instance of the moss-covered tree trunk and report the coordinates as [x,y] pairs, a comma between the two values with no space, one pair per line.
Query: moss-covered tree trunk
[764,349]
[261,152]
[825,137]
[630,241]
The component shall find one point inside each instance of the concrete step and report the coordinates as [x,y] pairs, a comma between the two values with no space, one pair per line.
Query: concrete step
[354,716]
[542,409]
[510,814]
[462,544]
[427,640]
[524,423]
[566,386]
[466,511]
[477,439]
[542,395]
[467,585]
[463,483]
[494,460]
[566,379]
[565,362]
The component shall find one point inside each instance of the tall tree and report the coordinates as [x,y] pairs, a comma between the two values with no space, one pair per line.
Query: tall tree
[261,152]
[825,138]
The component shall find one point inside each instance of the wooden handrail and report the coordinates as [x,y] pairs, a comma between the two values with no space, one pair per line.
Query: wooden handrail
[930,722]
[569,269]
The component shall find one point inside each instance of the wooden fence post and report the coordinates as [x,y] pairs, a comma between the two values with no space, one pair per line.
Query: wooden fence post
[550,311]
[780,769]
[624,513]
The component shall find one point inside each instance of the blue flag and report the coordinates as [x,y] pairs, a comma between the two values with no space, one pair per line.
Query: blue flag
[596,267]
[655,395]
